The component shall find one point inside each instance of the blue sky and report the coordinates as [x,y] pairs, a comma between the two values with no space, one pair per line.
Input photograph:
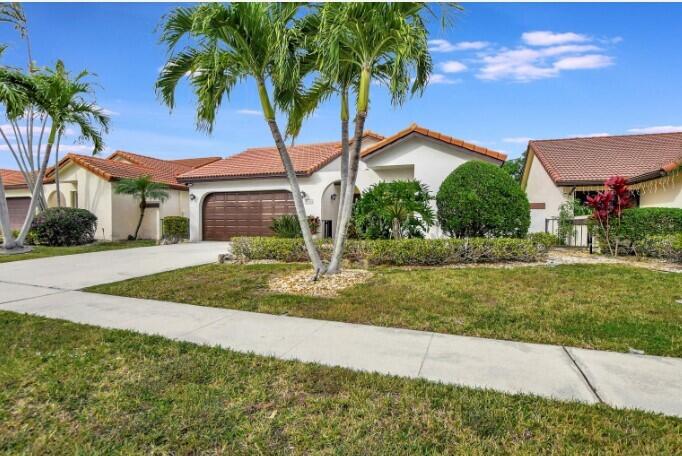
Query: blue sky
[504,73]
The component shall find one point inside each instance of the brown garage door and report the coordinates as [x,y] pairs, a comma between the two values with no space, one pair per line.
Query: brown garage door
[18,207]
[243,213]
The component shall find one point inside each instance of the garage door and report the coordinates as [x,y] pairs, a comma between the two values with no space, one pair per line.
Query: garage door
[226,215]
[18,207]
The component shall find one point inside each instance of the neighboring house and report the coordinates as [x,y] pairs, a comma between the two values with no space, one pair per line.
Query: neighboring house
[88,182]
[559,170]
[241,194]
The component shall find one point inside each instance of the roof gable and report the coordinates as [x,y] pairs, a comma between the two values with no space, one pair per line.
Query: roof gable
[415,129]
[590,161]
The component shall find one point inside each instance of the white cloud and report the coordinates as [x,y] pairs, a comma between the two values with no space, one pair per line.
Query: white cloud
[583,62]
[547,38]
[568,49]
[453,66]
[440,45]
[250,112]
[437,78]
[517,140]
[109,112]
[657,129]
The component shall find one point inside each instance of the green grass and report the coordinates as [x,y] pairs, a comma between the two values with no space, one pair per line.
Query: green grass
[594,306]
[42,251]
[72,389]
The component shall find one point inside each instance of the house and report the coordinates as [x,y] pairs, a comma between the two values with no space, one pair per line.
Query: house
[241,194]
[559,170]
[88,182]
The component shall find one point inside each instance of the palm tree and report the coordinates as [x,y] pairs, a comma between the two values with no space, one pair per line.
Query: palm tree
[232,43]
[143,189]
[56,96]
[362,42]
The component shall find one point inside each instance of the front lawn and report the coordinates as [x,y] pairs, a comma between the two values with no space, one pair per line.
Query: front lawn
[42,251]
[609,307]
[73,389]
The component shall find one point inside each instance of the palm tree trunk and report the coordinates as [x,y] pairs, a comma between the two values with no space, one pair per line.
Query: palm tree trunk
[269,114]
[56,172]
[37,190]
[5,227]
[344,155]
[143,206]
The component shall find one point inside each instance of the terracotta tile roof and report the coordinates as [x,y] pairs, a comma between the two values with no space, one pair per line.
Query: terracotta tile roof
[265,162]
[12,178]
[416,129]
[195,162]
[589,161]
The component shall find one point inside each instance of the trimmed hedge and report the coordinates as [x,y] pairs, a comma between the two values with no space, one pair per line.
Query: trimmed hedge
[63,226]
[668,247]
[175,226]
[482,200]
[639,223]
[546,240]
[403,252]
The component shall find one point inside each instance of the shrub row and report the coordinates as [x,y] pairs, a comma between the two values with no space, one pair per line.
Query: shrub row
[395,252]
[63,226]
[668,247]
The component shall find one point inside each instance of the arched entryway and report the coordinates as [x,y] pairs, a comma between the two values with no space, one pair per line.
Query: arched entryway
[330,207]
[53,202]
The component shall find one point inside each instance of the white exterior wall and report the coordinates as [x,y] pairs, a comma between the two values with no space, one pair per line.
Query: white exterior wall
[426,160]
[541,189]
[127,210]
[669,195]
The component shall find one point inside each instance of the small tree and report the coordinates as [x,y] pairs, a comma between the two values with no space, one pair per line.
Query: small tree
[481,199]
[142,189]
[607,210]
[394,209]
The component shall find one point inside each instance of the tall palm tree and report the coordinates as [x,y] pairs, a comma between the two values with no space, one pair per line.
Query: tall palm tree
[143,189]
[385,42]
[61,98]
[231,43]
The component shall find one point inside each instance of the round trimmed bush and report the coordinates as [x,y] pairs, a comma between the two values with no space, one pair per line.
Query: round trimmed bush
[60,226]
[481,199]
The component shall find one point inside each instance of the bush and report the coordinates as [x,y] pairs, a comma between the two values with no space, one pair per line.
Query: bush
[287,226]
[403,252]
[668,247]
[481,199]
[638,223]
[175,226]
[61,226]
[545,240]
[394,209]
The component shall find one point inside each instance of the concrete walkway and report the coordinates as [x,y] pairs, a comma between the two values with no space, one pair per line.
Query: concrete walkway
[622,380]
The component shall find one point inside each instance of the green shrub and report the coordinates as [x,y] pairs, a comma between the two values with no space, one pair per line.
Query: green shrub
[403,252]
[60,226]
[395,209]
[546,240]
[638,223]
[667,246]
[175,226]
[481,199]
[287,226]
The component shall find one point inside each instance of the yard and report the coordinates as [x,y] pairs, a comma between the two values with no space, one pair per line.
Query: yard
[68,389]
[42,251]
[608,307]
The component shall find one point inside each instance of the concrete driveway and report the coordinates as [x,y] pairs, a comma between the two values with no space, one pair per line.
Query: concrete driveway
[73,272]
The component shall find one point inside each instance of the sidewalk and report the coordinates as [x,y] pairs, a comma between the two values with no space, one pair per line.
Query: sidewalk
[621,380]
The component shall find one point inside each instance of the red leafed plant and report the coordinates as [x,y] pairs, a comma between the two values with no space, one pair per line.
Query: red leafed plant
[607,209]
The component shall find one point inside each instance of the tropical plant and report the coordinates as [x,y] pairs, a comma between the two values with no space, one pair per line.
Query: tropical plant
[363,42]
[287,226]
[394,210]
[567,213]
[142,189]
[607,210]
[481,199]
[54,95]
[228,44]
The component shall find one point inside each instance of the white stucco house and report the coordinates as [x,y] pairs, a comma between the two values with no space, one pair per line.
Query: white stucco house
[558,170]
[88,182]
[241,194]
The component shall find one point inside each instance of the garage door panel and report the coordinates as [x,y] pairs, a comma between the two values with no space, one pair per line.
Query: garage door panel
[18,208]
[230,214]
